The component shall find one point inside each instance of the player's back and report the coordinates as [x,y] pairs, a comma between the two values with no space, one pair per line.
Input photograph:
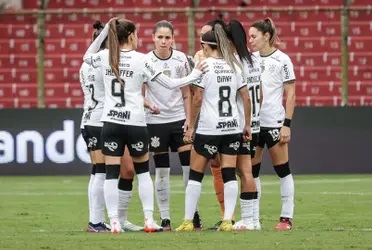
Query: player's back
[123,99]
[219,114]
[83,77]
[252,74]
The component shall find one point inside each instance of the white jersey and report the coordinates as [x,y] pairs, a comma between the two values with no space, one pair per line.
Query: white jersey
[252,74]
[276,70]
[97,99]
[83,75]
[169,101]
[219,112]
[124,103]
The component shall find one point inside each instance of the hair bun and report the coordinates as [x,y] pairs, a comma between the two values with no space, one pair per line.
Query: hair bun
[98,25]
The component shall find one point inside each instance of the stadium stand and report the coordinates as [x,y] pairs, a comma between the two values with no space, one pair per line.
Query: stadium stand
[312,39]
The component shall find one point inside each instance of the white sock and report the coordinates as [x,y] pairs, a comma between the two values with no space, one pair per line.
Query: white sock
[246,210]
[193,191]
[111,193]
[185,174]
[98,198]
[258,187]
[256,210]
[231,191]
[90,185]
[146,194]
[124,200]
[162,191]
[287,192]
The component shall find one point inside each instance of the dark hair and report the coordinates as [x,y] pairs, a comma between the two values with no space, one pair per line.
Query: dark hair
[218,35]
[267,26]
[213,22]
[119,31]
[98,26]
[235,31]
[164,24]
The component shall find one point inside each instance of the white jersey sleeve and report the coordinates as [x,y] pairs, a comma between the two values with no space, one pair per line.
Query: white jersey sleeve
[171,83]
[288,74]
[83,77]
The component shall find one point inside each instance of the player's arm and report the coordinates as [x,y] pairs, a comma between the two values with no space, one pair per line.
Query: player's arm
[147,104]
[195,110]
[186,95]
[173,83]
[290,93]
[243,91]
[89,56]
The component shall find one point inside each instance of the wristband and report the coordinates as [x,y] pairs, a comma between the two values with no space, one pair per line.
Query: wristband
[287,122]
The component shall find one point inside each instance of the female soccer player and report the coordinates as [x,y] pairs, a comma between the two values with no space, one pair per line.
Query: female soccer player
[251,71]
[166,129]
[218,126]
[277,76]
[124,72]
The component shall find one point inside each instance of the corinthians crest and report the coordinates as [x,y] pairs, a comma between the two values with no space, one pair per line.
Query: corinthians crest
[155,142]
[180,71]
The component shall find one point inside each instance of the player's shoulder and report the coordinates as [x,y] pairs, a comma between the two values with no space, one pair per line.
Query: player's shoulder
[282,56]
[178,56]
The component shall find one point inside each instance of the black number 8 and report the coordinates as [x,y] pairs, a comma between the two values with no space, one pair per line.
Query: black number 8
[225,92]
[118,94]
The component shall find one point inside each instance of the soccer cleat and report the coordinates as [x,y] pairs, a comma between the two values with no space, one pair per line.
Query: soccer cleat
[116,227]
[216,226]
[226,226]
[130,227]
[186,226]
[284,224]
[242,226]
[197,222]
[166,225]
[257,225]
[151,226]
[97,228]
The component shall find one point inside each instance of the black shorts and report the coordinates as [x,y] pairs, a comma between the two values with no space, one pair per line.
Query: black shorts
[94,137]
[254,143]
[249,147]
[166,135]
[210,145]
[85,137]
[116,136]
[268,136]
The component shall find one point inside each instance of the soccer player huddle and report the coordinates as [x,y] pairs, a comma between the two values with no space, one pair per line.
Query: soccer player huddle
[221,112]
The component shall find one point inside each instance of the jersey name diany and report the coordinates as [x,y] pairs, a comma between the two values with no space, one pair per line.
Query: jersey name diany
[170,102]
[252,74]
[97,97]
[219,113]
[276,70]
[83,75]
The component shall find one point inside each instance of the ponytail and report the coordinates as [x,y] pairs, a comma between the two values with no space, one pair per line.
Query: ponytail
[239,39]
[114,49]
[224,47]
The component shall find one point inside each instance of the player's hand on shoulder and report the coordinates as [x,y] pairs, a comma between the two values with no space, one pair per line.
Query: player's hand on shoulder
[202,66]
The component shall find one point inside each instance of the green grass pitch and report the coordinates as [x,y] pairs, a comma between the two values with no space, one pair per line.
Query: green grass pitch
[331,212]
